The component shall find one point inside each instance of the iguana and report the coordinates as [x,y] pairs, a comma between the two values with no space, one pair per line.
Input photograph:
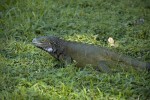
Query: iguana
[84,54]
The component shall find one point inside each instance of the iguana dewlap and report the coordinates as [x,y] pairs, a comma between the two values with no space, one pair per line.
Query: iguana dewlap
[84,54]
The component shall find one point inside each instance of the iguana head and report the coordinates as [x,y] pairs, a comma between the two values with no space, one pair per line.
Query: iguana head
[46,43]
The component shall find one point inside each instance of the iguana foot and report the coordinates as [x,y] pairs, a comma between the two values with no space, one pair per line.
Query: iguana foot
[103,67]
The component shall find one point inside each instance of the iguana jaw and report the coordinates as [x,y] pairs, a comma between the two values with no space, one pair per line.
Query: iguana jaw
[43,44]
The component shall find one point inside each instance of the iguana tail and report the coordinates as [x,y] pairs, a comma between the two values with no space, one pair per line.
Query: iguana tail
[129,61]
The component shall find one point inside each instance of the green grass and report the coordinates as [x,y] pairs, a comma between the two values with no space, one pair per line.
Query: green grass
[27,72]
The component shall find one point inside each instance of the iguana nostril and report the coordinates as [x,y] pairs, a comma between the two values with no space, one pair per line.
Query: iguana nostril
[34,40]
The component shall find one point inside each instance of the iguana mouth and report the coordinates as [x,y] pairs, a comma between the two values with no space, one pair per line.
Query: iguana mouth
[43,45]
[36,42]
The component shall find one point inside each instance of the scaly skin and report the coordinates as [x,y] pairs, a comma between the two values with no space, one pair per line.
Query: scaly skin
[85,54]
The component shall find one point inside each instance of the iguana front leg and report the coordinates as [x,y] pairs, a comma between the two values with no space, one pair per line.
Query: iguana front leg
[66,59]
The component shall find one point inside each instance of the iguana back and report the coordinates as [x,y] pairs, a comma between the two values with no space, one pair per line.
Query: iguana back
[93,54]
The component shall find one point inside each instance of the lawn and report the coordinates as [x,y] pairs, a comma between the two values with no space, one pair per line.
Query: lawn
[28,73]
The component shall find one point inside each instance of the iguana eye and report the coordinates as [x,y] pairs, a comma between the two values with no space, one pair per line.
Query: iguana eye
[43,40]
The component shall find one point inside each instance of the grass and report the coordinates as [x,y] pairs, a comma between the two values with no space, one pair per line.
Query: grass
[27,72]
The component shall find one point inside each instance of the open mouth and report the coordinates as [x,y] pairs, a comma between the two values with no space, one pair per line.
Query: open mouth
[35,42]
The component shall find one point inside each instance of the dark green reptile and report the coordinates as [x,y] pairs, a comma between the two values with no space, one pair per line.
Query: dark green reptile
[85,54]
